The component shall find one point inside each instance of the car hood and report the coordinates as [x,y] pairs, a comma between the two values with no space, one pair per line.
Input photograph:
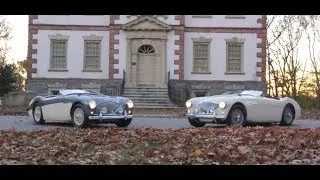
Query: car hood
[102,99]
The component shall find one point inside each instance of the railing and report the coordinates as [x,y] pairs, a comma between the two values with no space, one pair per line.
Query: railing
[123,81]
[168,85]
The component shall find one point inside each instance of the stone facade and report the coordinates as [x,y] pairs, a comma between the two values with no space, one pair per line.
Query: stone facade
[182,90]
[172,38]
[43,86]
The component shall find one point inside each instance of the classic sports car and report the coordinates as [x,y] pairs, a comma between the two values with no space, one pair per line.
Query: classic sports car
[81,108]
[241,107]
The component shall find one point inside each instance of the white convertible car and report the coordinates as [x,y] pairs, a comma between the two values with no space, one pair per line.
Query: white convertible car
[241,107]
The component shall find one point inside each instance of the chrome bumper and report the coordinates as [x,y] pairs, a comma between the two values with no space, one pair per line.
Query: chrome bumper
[104,117]
[206,116]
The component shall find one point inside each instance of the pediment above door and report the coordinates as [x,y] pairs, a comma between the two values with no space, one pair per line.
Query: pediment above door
[146,23]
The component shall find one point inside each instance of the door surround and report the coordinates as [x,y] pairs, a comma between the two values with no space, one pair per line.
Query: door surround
[146,30]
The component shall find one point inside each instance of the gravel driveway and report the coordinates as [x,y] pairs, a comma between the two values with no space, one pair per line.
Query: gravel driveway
[25,123]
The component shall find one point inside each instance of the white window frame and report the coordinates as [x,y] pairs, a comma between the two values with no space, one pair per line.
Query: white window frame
[237,42]
[54,38]
[85,60]
[235,17]
[92,38]
[202,16]
[201,40]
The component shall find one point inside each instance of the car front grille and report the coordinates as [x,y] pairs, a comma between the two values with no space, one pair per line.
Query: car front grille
[205,107]
[108,108]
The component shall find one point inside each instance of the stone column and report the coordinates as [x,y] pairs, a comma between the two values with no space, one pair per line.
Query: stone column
[134,59]
[164,62]
[129,64]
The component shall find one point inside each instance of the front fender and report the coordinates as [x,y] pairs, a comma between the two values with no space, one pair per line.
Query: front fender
[33,101]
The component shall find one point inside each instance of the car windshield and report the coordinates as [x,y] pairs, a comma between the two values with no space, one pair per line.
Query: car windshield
[244,93]
[78,92]
[232,92]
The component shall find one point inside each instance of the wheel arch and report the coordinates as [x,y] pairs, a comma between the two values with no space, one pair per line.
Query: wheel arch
[36,102]
[73,105]
[240,104]
[292,107]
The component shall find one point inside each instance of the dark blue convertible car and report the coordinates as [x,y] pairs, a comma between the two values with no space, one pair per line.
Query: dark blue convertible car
[81,107]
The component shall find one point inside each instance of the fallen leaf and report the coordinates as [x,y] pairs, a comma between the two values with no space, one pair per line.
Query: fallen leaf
[197,152]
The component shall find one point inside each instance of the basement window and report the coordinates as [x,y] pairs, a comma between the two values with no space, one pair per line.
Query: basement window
[200,94]
[54,92]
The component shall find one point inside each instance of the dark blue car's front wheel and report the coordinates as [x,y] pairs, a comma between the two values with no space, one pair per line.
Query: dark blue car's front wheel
[123,122]
[78,116]
[37,114]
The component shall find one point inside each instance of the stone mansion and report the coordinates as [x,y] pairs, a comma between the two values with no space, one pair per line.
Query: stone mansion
[186,55]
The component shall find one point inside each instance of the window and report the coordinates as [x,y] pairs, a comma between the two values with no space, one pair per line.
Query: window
[201,57]
[200,94]
[234,57]
[58,54]
[146,49]
[91,55]
[54,92]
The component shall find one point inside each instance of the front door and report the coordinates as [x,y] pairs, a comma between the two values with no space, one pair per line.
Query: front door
[146,66]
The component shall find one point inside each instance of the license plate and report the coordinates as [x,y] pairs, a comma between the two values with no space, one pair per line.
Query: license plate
[206,120]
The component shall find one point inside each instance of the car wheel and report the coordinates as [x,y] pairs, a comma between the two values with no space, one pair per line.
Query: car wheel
[196,122]
[236,116]
[78,116]
[123,122]
[287,116]
[37,114]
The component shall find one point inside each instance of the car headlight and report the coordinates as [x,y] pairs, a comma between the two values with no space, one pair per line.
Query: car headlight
[188,104]
[130,104]
[222,105]
[92,104]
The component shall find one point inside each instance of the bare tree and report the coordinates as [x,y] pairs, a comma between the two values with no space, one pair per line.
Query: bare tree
[314,55]
[285,72]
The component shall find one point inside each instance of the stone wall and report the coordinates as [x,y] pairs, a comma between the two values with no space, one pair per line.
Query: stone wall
[43,86]
[17,98]
[182,90]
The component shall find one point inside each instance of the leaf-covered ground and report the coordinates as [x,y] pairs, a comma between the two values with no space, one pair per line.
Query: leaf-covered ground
[249,145]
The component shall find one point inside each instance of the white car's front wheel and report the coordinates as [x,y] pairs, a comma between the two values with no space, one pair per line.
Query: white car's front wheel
[236,116]
[196,122]
[37,114]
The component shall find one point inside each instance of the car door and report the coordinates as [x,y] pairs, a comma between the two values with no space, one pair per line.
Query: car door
[56,108]
[267,109]
[274,107]
[261,109]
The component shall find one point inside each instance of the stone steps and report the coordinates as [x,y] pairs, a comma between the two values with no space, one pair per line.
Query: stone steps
[134,95]
[147,96]
[154,100]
